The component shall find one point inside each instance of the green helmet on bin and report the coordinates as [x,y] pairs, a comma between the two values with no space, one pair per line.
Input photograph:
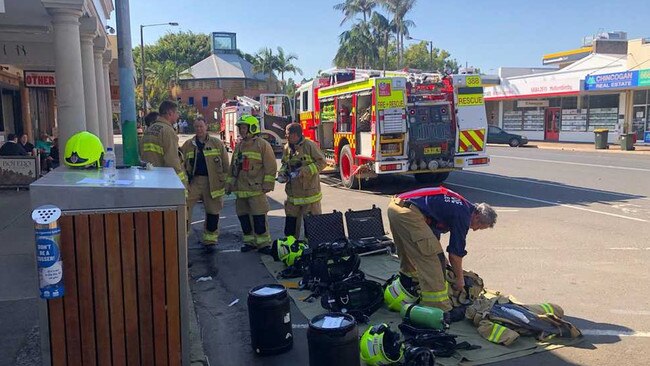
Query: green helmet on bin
[252,122]
[84,150]
[396,296]
[379,345]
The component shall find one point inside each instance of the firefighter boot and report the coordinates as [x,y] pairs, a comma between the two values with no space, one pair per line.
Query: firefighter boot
[262,236]
[211,232]
[290,226]
[247,230]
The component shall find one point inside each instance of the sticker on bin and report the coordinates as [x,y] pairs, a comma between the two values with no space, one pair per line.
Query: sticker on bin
[267,291]
[332,322]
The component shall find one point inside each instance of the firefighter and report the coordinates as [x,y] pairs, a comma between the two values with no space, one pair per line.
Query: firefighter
[160,142]
[251,176]
[206,165]
[302,161]
[417,219]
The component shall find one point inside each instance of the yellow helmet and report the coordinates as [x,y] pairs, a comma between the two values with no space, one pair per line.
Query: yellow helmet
[289,249]
[396,296]
[379,345]
[252,122]
[83,150]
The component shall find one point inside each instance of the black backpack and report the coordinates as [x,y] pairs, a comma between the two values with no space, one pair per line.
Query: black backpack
[328,263]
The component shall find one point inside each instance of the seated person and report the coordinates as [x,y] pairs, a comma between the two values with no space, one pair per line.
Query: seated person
[11,147]
[26,145]
[43,146]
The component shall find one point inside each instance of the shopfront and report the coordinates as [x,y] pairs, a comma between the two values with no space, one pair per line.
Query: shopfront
[634,85]
[553,105]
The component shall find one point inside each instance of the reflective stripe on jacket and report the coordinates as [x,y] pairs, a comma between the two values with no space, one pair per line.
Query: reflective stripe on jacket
[160,148]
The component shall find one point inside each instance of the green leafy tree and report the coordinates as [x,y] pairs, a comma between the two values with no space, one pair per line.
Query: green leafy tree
[418,56]
[265,62]
[357,47]
[290,88]
[399,9]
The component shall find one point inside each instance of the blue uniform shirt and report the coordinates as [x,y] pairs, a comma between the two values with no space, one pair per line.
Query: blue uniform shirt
[448,211]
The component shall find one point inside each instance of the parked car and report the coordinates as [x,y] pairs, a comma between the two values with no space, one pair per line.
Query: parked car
[498,136]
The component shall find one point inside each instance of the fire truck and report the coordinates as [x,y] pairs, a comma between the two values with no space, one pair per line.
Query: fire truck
[371,123]
[273,111]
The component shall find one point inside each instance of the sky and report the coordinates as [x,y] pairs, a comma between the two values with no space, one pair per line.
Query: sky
[482,33]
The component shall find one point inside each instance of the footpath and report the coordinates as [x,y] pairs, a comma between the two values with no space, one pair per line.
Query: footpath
[639,149]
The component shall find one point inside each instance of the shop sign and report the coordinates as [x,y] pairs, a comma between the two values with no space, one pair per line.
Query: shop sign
[618,80]
[646,136]
[532,103]
[530,87]
[40,79]
[18,171]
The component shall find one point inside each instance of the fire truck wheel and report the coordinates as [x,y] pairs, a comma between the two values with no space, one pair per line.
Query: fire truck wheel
[345,168]
[431,178]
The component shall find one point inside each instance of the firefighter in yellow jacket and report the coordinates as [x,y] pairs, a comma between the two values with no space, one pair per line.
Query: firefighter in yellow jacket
[251,176]
[302,161]
[160,142]
[206,165]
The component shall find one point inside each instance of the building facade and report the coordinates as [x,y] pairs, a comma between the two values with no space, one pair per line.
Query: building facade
[568,104]
[54,68]
[222,76]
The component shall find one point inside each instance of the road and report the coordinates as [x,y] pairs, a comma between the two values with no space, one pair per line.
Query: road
[572,229]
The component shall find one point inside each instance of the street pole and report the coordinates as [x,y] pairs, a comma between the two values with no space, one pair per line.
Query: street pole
[127,84]
[431,52]
[144,86]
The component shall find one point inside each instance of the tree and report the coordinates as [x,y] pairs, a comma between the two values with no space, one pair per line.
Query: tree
[291,87]
[381,32]
[357,48]
[284,64]
[418,56]
[399,9]
[165,62]
[265,62]
[350,8]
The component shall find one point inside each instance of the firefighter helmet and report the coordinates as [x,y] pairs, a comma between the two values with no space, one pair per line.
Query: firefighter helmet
[252,122]
[396,295]
[84,150]
[289,249]
[379,345]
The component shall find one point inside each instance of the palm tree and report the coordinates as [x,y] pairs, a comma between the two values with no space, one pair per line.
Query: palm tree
[381,31]
[284,64]
[357,47]
[350,8]
[265,62]
[399,9]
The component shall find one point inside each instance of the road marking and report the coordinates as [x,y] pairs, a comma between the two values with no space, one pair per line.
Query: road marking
[630,312]
[629,248]
[549,202]
[198,222]
[519,248]
[230,251]
[506,210]
[572,163]
[616,333]
[299,326]
[628,196]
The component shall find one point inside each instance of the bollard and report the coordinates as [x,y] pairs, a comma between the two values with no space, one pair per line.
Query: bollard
[48,254]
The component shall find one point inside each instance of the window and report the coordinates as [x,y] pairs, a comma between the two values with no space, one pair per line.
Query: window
[603,111]
[640,97]
[190,101]
[493,130]
[204,102]
[305,101]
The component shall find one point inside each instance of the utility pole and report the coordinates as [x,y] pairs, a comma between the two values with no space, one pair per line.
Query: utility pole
[127,84]
[143,77]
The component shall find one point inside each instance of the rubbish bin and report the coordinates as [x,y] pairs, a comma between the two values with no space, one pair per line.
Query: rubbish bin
[124,259]
[601,138]
[627,141]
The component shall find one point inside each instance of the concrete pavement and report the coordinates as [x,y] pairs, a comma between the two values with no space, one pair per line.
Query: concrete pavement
[639,149]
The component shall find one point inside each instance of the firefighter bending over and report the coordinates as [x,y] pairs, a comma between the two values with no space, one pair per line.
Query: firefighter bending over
[302,161]
[252,175]
[160,142]
[417,219]
[206,165]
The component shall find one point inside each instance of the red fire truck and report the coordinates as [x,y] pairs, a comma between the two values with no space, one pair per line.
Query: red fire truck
[372,123]
[273,111]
